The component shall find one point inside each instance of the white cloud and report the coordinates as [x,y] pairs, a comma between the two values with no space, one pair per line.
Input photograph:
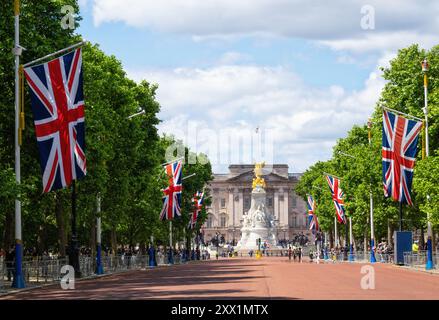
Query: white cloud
[305,121]
[336,23]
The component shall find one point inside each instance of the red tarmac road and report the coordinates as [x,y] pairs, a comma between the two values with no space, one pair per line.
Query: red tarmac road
[239,278]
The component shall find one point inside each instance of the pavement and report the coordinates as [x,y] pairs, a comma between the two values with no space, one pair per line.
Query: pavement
[250,279]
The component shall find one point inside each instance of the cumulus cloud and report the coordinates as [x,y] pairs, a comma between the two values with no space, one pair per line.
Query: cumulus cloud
[337,23]
[303,122]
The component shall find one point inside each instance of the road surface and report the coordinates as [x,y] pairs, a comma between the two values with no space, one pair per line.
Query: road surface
[245,278]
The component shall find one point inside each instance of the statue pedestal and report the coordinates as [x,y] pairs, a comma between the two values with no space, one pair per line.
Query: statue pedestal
[258,223]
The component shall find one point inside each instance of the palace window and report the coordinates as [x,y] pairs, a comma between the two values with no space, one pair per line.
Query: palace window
[270,202]
[293,201]
[223,202]
[223,220]
[209,221]
[246,204]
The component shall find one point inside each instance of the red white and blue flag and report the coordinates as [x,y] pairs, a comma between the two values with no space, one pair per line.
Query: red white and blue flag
[313,222]
[337,197]
[198,203]
[58,109]
[172,194]
[400,140]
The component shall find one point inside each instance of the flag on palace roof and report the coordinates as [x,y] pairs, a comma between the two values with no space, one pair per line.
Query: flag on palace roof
[58,109]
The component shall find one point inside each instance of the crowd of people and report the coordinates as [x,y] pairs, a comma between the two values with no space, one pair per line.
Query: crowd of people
[297,240]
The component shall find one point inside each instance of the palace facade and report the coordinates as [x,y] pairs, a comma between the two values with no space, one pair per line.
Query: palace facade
[231,199]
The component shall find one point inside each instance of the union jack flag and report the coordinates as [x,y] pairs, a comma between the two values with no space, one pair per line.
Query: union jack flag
[58,109]
[312,218]
[198,203]
[400,140]
[172,194]
[337,197]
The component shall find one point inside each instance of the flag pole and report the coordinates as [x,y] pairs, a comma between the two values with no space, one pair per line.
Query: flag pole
[80,44]
[351,241]
[372,229]
[74,250]
[171,253]
[335,232]
[328,174]
[402,113]
[429,264]
[400,216]
[99,267]
[18,276]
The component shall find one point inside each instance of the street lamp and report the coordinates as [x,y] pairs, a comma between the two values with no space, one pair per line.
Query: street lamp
[425,68]
[372,231]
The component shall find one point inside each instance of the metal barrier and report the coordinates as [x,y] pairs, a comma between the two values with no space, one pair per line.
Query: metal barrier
[45,270]
[419,259]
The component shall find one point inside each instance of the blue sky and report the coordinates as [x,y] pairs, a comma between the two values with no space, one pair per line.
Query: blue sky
[302,72]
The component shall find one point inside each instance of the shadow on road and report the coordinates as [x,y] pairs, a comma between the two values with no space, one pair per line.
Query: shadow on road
[175,282]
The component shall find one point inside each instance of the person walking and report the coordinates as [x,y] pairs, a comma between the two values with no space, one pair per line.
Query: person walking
[290,252]
[300,254]
[10,259]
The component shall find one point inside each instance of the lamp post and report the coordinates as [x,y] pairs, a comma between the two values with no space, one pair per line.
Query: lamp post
[429,264]
[351,246]
[372,230]
[99,267]
[18,281]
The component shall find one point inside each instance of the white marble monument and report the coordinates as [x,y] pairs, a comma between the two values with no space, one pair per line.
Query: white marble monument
[257,222]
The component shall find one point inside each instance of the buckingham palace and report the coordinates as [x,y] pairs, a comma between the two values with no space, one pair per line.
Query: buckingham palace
[231,198]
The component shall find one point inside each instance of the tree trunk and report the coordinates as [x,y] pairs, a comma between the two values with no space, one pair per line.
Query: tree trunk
[114,240]
[142,248]
[365,241]
[421,239]
[42,239]
[331,240]
[92,242]
[60,223]
[389,233]
[8,235]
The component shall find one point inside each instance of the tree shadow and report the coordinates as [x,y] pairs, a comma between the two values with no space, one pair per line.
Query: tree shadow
[174,282]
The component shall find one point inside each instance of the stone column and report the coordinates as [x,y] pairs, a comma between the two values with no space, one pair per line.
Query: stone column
[230,206]
[240,209]
[276,206]
[286,211]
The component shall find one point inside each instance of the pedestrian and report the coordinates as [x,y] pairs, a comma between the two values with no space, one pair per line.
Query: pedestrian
[289,253]
[10,259]
[294,254]
[300,254]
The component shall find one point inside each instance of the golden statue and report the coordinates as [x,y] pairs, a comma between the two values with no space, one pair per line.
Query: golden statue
[258,181]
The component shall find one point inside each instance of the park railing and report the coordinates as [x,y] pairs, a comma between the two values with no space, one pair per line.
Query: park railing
[419,259]
[46,270]
[36,271]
